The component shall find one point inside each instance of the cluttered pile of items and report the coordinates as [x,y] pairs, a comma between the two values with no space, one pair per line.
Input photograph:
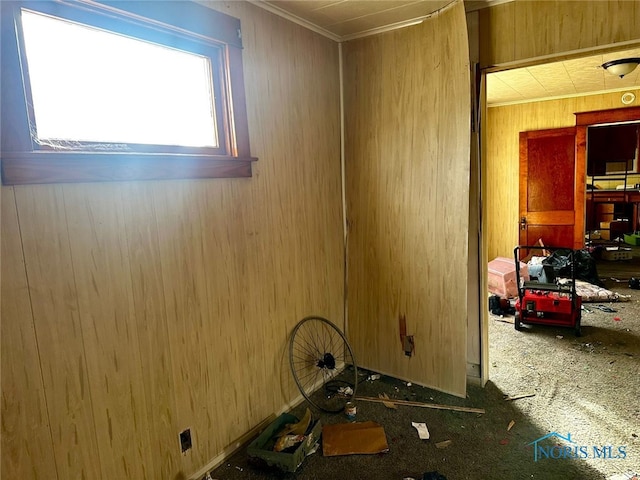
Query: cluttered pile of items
[319,351]
[547,286]
[325,370]
[287,441]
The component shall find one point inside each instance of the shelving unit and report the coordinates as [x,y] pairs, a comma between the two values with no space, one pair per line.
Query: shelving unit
[610,206]
[612,157]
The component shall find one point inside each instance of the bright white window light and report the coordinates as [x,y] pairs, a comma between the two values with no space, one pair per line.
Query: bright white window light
[89,85]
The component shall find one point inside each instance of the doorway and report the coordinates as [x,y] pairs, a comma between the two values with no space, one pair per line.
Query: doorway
[507,117]
[529,109]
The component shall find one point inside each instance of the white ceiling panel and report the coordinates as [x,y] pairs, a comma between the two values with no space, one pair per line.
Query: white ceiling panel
[501,92]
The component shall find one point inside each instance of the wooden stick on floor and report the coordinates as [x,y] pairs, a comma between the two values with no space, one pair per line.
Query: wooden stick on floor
[518,397]
[423,405]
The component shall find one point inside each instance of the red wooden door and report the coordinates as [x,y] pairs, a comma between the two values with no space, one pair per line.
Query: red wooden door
[551,189]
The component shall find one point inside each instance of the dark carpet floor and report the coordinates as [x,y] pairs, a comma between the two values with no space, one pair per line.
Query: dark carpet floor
[588,386]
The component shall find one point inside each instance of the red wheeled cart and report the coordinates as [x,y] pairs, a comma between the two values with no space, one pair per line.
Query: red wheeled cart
[544,303]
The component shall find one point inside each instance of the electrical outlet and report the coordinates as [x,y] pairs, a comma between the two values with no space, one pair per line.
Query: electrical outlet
[185,440]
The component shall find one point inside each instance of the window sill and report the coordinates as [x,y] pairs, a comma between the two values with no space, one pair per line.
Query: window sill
[73,167]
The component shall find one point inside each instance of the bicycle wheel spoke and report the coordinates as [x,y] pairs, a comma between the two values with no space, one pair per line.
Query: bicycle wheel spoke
[310,340]
[309,351]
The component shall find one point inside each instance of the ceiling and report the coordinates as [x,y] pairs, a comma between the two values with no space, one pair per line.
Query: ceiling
[348,19]
[567,78]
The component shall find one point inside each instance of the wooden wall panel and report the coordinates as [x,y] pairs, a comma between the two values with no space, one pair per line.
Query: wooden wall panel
[27,448]
[160,306]
[96,219]
[180,248]
[407,109]
[54,299]
[526,29]
[503,127]
[143,237]
[295,77]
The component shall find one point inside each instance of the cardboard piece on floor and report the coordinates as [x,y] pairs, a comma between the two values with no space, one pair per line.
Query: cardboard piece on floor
[359,438]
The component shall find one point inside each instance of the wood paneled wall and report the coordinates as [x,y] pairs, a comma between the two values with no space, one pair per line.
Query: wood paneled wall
[407,111]
[503,126]
[525,29]
[132,311]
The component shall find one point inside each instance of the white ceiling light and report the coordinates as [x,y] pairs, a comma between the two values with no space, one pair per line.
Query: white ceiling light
[621,67]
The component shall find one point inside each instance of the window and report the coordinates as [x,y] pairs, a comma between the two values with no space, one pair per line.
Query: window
[91,92]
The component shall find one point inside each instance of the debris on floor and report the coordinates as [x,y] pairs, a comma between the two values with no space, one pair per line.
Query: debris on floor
[501,318]
[346,391]
[444,444]
[386,401]
[511,424]
[518,397]
[423,431]
[593,293]
[410,403]
[604,308]
[350,410]
[280,444]
[500,306]
[353,439]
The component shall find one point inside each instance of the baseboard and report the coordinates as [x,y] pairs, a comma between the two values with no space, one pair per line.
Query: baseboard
[476,381]
[474,376]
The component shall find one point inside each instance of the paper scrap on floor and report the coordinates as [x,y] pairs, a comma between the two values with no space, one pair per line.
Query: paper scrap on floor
[593,293]
[423,431]
[358,438]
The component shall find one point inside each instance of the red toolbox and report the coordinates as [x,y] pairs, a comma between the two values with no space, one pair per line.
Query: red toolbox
[543,303]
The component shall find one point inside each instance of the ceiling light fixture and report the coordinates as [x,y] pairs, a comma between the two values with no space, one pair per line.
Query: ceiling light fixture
[621,67]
